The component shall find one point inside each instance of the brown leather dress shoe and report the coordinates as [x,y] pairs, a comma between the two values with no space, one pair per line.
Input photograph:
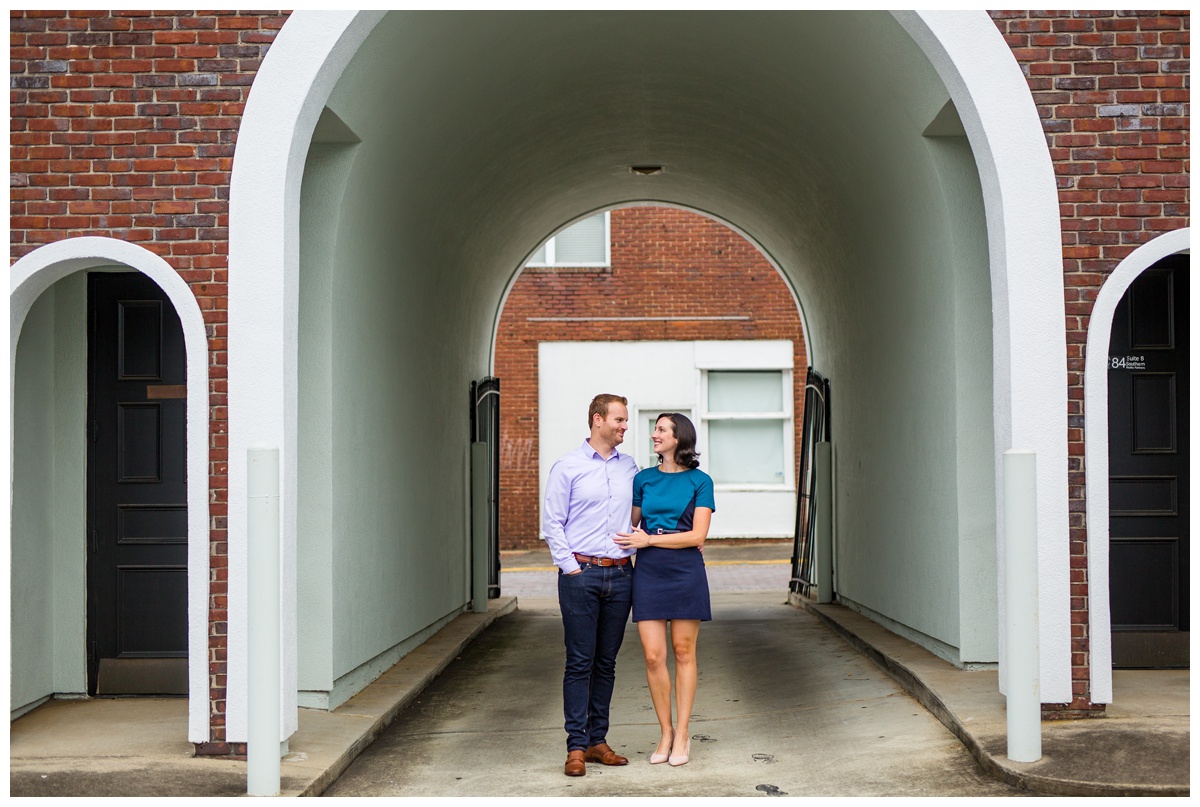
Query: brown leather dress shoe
[575,766]
[604,755]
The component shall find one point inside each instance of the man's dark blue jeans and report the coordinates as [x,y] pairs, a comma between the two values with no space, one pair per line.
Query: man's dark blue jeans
[595,608]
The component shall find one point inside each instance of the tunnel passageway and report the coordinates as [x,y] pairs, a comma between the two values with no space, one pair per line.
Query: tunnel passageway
[784,707]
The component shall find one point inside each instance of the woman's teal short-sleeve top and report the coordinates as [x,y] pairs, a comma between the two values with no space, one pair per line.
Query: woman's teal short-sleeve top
[668,501]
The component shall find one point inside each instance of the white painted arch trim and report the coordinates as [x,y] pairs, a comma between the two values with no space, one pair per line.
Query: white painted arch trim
[1095,445]
[38,271]
[291,88]
[810,351]
[295,80]
[1028,308]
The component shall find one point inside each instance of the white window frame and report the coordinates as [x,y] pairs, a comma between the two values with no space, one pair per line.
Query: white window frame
[549,245]
[785,417]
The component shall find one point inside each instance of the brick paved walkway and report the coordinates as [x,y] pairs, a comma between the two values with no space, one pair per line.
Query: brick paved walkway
[722,576]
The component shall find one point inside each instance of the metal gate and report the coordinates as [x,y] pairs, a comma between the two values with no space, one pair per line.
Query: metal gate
[485,428]
[816,430]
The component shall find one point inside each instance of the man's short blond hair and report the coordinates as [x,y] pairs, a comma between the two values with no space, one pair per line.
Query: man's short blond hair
[600,406]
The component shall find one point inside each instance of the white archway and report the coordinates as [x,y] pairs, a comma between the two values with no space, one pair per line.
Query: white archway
[805,331]
[1095,419]
[1029,353]
[38,271]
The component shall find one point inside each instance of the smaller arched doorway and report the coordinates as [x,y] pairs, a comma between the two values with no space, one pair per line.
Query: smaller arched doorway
[1148,471]
[1169,249]
[109,394]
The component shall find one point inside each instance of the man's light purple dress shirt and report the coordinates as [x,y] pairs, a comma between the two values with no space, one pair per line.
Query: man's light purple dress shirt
[588,501]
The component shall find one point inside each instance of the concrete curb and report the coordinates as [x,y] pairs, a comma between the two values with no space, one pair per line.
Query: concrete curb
[999,767]
[393,691]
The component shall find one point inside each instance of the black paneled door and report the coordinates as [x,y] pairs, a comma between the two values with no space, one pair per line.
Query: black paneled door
[137,489]
[1148,432]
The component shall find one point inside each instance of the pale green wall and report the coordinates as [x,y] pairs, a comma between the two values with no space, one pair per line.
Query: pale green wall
[401,372]
[483,133]
[32,593]
[401,345]
[904,335]
[963,199]
[70,483]
[48,572]
[324,181]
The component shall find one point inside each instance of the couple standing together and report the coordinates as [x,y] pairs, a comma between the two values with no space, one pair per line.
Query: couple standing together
[599,511]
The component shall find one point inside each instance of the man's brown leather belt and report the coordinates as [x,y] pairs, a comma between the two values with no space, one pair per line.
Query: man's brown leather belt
[601,561]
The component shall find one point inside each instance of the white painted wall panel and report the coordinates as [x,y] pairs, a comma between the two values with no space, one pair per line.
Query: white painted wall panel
[656,377]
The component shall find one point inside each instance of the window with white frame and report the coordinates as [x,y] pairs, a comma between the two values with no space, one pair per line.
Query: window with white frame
[747,414]
[584,243]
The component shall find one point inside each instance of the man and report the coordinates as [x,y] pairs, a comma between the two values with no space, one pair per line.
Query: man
[589,497]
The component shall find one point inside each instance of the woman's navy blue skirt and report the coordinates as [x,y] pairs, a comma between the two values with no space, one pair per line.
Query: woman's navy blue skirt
[670,584]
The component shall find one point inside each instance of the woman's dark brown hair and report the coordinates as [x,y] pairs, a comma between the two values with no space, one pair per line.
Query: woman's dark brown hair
[685,433]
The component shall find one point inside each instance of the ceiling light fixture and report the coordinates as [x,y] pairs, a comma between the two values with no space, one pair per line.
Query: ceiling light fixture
[646,170]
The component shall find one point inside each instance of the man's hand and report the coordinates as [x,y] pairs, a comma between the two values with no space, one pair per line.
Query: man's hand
[637,539]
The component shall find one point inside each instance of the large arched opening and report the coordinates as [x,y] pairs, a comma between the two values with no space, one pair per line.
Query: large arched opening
[909,206]
[661,303]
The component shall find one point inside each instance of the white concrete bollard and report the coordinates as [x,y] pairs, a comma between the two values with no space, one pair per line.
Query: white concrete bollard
[1022,674]
[823,466]
[262,527]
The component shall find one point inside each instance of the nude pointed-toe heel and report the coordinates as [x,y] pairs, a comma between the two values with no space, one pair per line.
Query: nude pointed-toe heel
[658,759]
[682,759]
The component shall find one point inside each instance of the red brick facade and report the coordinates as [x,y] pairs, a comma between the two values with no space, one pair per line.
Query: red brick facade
[1112,91]
[665,263]
[123,124]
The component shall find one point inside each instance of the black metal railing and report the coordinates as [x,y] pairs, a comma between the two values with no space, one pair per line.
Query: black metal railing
[816,429]
[485,428]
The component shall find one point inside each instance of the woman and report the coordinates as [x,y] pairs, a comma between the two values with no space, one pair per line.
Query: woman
[672,509]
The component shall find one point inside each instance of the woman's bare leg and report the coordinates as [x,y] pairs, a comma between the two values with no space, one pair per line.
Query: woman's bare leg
[684,633]
[653,633]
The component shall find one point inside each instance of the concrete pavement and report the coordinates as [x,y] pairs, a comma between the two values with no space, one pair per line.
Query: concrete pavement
[139,747]
[1140,748]
[784,707]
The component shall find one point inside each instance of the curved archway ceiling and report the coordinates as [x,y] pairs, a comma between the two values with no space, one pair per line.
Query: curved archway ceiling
[471,137]
[482,133]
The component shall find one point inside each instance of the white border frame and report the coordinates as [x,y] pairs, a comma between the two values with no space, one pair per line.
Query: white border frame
[1021,204]
[34,274]
[1095,441]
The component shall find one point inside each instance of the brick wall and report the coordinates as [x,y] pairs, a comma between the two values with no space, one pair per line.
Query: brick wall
[1112,90]
[665,263]
[123,125]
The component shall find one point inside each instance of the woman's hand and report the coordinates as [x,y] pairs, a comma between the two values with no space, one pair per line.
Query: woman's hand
[638,539]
